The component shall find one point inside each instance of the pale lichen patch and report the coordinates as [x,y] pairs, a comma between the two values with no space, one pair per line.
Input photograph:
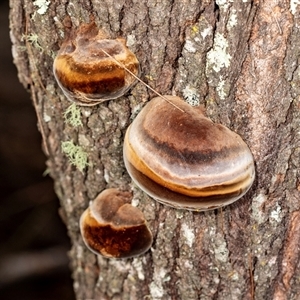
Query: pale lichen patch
[156,290]
[272,261]
[179,214]
[221,89]
[232,19]
[188,234]
[221,251]
[275,215]
[257,213]
[131,40]
[137,264]
[190,47]
[218,57]
[156,287]
[191,95]
[293,6]
[47,118]
[206,32]
[106,176]
[224,3]
[42,6]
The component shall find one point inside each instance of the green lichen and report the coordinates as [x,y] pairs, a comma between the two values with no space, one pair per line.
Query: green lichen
[72,115]
[46,172]
[76,155]
[33,39]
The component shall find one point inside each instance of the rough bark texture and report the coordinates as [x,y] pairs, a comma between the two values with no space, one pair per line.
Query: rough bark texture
[240,59]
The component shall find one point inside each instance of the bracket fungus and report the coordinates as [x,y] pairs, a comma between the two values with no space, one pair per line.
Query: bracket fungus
[113,228]
[184,160]
[89,67]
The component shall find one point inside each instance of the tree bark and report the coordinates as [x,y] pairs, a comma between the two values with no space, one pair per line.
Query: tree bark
[240,60]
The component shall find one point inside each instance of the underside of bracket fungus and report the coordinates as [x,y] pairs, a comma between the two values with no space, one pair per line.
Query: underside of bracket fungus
[184,160]
[113,228]
[86,74]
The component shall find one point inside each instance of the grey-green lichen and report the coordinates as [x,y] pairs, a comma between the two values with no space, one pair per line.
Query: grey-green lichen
[76,155]
[33,39]
[72,115]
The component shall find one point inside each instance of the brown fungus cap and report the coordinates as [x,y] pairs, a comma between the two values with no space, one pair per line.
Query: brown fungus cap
[113,228]
[86,75]
[185,160]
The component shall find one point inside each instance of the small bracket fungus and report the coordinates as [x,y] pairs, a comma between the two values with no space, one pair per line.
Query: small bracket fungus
[184,160]
[113,228]
[88,75]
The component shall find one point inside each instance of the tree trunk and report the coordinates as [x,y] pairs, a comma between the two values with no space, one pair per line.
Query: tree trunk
[240,60]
